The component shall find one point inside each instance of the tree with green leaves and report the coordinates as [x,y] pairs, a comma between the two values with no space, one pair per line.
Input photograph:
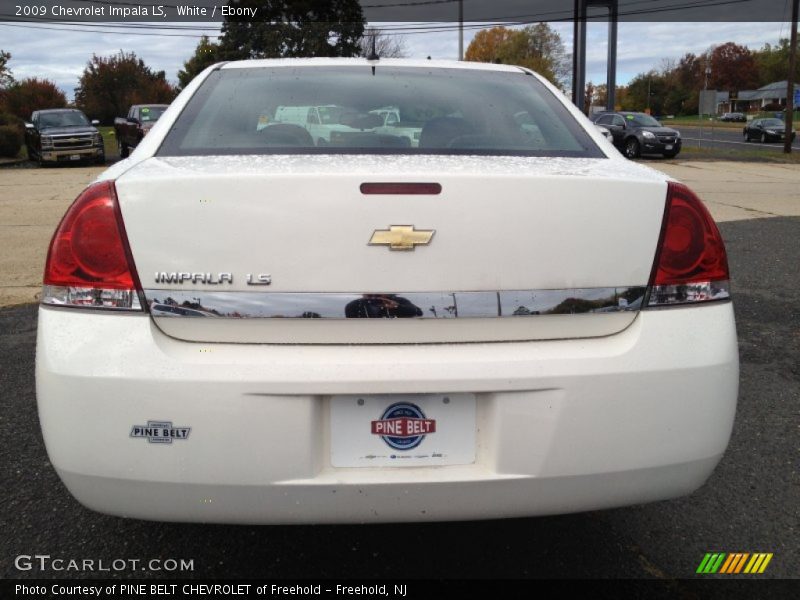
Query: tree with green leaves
[293,28]
[205,55]
[773,62]
[111,84]
[6,79]
[636,97]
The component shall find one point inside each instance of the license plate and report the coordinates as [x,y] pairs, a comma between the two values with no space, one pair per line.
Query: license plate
[74,156]
[403,430]
[668,147]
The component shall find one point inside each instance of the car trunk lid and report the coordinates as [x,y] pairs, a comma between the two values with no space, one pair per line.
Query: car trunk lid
[519,248]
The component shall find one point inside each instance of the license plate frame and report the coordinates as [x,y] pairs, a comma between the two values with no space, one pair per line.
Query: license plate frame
[74,156]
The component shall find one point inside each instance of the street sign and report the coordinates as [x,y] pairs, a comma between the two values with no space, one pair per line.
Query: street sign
[796,97]
[708,102]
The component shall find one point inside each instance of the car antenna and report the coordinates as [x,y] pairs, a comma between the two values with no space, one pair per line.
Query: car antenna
[373,55]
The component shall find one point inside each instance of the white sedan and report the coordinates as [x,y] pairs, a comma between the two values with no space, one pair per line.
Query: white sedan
[240,326]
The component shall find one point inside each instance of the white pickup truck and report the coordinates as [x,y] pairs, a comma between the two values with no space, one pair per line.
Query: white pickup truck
[319,121]
[393,125]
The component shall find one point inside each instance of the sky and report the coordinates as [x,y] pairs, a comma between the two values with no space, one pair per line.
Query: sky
[61,55]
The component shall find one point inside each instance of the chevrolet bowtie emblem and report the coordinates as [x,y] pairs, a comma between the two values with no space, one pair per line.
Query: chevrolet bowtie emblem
[401,237]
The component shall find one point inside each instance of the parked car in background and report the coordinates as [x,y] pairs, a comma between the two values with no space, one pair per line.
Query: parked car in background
[734,117]
[131,129]
[62,135]
[766,130]
[330,124]
[606,132]
[510,319]
[638,133]
[393,124]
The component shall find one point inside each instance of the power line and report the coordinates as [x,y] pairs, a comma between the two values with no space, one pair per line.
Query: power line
[98,31]
[393,5]
[430,27]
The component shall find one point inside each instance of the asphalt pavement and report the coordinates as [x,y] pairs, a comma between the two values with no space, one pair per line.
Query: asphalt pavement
[750,504]
[725,138]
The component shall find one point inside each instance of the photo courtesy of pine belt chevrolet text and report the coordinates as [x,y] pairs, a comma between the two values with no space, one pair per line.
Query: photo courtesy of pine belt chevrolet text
[352,290]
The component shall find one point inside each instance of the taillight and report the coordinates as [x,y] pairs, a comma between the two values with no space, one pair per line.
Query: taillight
[691,264]
[89,262]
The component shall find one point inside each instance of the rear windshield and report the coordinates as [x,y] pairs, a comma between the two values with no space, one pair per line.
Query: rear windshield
[643,120]
[151,113]
[72,118]
[347,110]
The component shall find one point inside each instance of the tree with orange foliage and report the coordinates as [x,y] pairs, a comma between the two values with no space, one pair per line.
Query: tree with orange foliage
[538,47]
[27,95]
[486,45]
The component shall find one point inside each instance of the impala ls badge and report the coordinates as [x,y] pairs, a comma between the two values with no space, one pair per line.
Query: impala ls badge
[210,278]
[401,237]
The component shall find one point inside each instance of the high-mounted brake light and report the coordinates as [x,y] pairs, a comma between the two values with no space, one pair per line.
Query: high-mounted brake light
[403,188]
[89,262]
[691,264]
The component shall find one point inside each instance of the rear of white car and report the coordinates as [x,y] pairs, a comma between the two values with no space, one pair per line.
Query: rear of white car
[240,325]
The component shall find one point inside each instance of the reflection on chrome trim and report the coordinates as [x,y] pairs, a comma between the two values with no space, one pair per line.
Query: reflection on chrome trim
[421,305]
[689,293]
[85,297]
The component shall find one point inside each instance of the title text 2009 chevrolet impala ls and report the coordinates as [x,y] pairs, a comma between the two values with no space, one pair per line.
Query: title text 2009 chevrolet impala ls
[345,291]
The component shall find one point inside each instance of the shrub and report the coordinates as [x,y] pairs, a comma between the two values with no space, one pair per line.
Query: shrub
[10,140]
[28,95]
[9,119]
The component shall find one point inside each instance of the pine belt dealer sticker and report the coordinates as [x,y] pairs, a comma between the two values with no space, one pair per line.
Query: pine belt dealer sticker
[403,426]
[160,432]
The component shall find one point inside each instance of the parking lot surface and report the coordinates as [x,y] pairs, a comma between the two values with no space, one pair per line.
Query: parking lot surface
[32,202]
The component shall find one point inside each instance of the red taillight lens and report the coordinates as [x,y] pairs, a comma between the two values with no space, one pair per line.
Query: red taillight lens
[89,263]
[691,264]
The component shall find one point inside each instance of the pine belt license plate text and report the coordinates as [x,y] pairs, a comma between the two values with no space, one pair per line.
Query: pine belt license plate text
[403,430]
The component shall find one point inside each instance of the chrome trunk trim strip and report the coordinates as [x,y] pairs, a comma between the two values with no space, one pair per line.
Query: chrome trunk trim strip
[422,305]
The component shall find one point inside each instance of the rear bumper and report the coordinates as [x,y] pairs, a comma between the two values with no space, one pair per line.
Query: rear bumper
[779,138]
[658,147]
[562,426]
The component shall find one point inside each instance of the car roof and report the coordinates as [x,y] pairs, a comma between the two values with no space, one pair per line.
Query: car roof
[619,112]
[50,110]
[388,62]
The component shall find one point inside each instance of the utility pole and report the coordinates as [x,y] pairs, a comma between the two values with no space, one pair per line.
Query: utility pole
[460,29]
[787,142]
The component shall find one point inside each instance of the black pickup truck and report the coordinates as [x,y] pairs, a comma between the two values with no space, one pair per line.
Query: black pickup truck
[131,129]
[63,135]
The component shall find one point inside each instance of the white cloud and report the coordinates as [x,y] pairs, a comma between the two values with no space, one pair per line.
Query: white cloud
[62,55]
